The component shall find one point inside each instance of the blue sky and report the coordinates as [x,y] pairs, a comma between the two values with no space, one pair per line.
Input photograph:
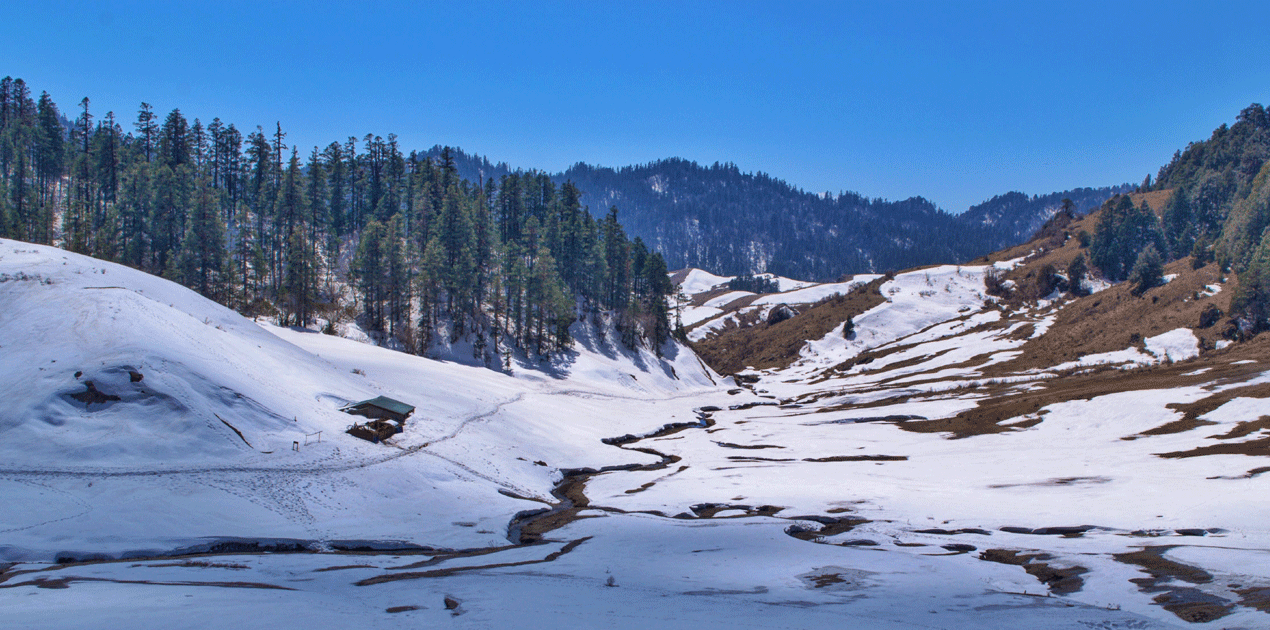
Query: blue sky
[953,101]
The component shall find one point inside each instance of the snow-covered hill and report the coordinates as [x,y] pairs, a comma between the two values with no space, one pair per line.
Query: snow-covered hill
[139,415]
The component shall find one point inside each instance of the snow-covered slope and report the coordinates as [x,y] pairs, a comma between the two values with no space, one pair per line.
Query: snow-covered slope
[704,316]
[211,421]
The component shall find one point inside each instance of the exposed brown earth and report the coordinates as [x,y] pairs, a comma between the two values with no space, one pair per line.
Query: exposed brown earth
[761,346]
[1255,597]
[1061,581]
[1192,411]
[1114,319]
[1189,604]
[859,458]
[66,581]
[700,299]
[1004,402]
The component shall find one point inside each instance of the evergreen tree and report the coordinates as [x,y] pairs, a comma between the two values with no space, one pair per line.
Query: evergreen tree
[1121,234]
[202,260]
[136,204]
[1252,301]
[172,193]
[1179,224]
[174,142]
[1077,270]
[300,282]
[147,130]
[370,270]
[1148,270]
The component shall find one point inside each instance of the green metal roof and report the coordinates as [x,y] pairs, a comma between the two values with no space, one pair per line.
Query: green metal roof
[384,402]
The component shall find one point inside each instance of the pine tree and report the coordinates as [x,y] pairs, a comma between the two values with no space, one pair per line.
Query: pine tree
[1252,301]
[202,259]
[458,240]
[1148,270]
[429,284]
[1077,270]
[299,288]
[317,216]
[136,204]
[147,131]
[1179,224]
[370,269]
[337,206]
[50,158]
[174,143]
[172,192]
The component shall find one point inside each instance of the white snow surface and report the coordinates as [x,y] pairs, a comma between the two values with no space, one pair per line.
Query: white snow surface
[1178,344]
[69,320]
[816,292]
[691,315]
[698,281]
[700,538]
[726,298]
[914,301]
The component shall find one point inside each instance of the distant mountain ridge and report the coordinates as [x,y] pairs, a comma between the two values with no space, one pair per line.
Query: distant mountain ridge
[719,218]
[1014,217]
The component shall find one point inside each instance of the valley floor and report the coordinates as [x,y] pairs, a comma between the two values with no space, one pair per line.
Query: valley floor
[910,482]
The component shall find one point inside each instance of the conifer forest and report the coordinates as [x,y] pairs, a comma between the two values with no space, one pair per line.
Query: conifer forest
[357,229]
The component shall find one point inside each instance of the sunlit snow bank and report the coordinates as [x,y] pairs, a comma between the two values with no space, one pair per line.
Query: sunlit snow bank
[1176,345]
[815,293]
[698,281]
[201,424]
[914,301]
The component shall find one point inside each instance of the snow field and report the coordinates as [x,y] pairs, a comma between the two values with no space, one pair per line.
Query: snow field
[158,470]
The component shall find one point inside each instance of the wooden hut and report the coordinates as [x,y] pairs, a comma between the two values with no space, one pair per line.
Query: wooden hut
[387,418]
[381,408]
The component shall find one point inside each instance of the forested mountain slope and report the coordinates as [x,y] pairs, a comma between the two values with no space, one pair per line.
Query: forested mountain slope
[719,218]
[1014,217]
[1196,243]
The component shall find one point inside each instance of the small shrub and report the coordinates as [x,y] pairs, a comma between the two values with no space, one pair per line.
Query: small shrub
[1209,316]
[1046,281]
[994,283]
[1202,254]
[1077,270]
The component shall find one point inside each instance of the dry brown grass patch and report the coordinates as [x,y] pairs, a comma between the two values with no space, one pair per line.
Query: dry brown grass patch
[1192,411]
[760,346]
[1003,403]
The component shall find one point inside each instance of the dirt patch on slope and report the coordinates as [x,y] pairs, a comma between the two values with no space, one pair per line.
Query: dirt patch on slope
[1005,402]
[761,346]
[1192,411]
[1115,319]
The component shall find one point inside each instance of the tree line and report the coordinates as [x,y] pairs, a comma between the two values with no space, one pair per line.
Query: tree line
[1220,209]
[419,255]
